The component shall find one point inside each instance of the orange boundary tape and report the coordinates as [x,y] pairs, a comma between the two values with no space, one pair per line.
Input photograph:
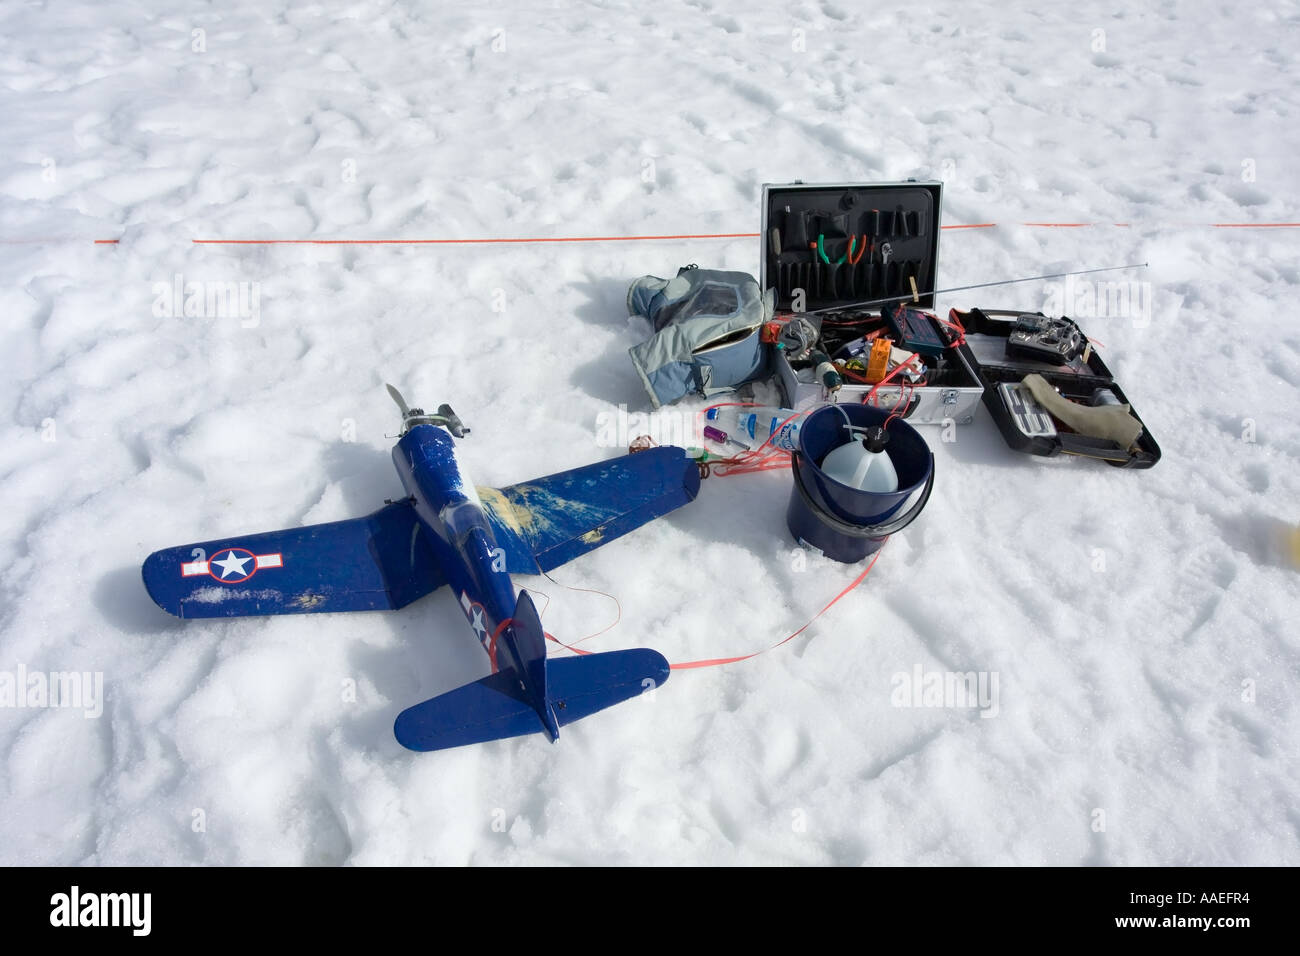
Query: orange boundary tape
[707,235]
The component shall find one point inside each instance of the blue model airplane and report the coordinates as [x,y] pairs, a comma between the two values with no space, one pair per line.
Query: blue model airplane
[448,532]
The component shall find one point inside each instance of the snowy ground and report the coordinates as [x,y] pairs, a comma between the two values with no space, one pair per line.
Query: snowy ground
[1142,625]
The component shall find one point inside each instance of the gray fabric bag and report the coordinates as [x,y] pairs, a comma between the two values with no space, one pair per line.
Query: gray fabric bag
[707,327]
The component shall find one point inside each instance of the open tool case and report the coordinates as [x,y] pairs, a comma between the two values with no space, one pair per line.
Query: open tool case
[830,246]
[1084,378]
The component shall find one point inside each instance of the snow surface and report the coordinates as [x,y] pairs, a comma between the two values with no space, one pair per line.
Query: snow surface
[1122,612]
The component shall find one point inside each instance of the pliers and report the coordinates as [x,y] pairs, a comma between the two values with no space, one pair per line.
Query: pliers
[821,251]
[862,249]
[848,256]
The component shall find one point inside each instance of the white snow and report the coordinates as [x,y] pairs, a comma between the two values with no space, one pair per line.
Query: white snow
[1142,625]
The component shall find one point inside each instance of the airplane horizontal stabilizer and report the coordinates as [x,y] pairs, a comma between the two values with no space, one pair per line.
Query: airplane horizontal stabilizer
[496,707]
[489,709]
[580,686]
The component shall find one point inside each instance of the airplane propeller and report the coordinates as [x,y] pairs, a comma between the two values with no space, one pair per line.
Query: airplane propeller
[416,416]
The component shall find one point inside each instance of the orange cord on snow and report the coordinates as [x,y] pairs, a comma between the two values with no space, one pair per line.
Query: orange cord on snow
[719,661]
[745,462]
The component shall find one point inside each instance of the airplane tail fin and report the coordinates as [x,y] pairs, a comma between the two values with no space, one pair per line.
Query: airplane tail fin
[530,640]
[550,694]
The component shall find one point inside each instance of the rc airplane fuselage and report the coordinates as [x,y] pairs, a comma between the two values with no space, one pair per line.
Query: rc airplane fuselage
[447,532]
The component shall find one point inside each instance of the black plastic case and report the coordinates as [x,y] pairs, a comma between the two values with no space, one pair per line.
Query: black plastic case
[1078,380]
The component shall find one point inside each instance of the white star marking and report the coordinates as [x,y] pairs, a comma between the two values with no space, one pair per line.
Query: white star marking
[232,565]
[477,622]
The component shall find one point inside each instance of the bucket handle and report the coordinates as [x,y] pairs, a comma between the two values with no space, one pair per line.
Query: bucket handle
[885,528]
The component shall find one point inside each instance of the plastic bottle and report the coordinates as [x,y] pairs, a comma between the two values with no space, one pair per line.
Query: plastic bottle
[756,424]
[863,463]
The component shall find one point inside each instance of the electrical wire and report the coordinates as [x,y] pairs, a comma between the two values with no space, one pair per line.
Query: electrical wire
[618,607]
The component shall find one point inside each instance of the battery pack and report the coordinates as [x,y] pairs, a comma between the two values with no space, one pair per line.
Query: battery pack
[915,330]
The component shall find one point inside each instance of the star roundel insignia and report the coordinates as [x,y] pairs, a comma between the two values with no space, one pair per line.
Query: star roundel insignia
[232,566]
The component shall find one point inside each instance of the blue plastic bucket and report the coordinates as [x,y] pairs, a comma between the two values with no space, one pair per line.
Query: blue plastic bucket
[841,521]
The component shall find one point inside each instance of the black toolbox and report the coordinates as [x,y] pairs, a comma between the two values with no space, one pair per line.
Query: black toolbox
[1025,425]
[826,247]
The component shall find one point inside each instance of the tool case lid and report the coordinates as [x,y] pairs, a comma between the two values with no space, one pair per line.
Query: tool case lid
[897,222]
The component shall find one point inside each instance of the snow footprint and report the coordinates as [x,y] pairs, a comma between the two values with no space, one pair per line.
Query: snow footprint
[1203,579]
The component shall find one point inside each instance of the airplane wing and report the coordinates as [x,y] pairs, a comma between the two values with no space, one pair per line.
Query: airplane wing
[541,524]
[373,563]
